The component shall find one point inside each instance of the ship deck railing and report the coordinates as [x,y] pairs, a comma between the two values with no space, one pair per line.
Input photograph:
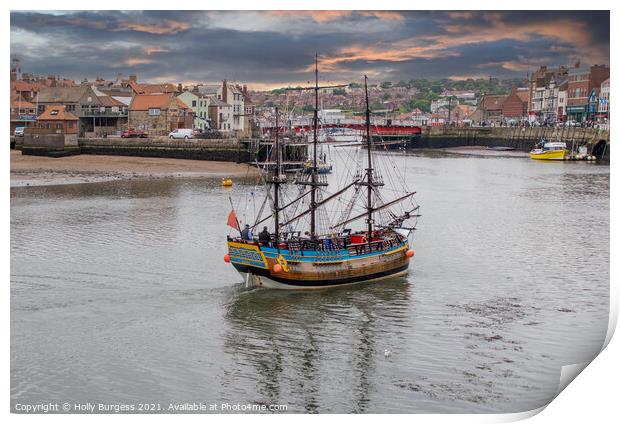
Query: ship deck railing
[328,247]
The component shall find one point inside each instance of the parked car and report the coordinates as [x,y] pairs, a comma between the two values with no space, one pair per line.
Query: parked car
[185,133]
[131,133]
[19,131]
[208,134]
[572,124]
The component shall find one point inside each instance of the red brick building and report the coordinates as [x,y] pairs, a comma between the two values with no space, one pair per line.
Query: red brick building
[490,107]
[513,106]
[56,120]
[582,84]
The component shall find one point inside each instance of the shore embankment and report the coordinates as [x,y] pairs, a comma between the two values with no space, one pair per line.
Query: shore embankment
[28,170]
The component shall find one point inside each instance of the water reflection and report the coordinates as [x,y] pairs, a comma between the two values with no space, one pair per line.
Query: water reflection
[293,341]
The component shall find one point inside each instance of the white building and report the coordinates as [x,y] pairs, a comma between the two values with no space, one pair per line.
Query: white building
[231,95]
[561,107]
[603,100]
[331,116]
[548,103]
[442,103]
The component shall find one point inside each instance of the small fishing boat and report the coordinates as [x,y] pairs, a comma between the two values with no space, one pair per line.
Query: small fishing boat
[549,150]
[331,252]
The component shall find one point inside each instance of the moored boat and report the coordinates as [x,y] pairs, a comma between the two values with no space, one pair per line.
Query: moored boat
[549,150]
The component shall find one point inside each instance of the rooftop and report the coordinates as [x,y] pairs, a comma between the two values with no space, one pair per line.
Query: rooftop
[56,113]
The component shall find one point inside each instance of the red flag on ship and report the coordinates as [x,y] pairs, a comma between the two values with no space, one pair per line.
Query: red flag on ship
[232,220]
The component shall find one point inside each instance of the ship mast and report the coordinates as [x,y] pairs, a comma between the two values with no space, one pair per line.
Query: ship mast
[316,125]
[369,169]
[276,182]
[314,181]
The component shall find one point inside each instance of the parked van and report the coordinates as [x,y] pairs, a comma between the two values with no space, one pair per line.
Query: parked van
[182,133]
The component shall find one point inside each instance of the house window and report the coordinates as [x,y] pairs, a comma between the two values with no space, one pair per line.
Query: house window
[58,125]
[153,111]
[193,103]
[69,124]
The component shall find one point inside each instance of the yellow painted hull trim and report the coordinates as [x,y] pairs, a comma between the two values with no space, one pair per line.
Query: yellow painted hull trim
[549,155]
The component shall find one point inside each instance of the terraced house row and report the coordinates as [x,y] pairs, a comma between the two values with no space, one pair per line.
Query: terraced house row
[105,108]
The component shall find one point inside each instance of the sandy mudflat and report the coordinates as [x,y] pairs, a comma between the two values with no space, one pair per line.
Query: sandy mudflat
[38,170]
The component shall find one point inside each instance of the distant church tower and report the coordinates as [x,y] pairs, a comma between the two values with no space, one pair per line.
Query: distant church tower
[16,70]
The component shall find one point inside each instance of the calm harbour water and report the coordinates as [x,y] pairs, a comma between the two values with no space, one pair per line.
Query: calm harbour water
[119,294]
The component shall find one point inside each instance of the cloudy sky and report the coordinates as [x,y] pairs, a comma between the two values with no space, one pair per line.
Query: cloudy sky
[275,48]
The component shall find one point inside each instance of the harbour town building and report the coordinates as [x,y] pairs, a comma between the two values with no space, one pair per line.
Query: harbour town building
[98,114]
[23,113]
[199,104]
[159,114]
[603,100]
[583,91]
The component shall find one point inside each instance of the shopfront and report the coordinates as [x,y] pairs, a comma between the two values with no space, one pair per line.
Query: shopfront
[576,113]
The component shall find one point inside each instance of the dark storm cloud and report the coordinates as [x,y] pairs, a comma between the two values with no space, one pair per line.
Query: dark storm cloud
[278,47]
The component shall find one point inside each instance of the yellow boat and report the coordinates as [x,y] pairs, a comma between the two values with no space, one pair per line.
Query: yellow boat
[550,151]
[227,182]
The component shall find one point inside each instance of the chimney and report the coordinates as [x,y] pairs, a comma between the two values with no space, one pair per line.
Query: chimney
[224,92]
[180,88]
[133,78]
[577,64]
[245,90]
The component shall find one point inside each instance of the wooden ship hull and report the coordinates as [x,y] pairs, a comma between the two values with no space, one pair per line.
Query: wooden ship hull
[270,267]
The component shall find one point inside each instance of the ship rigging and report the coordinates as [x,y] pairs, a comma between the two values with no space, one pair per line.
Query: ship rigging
[329,253]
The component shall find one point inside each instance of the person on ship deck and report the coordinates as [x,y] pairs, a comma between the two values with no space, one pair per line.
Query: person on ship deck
[246,234]
[264,237]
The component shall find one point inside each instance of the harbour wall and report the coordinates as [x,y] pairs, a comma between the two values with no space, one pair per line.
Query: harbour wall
[523,139]
[233,150]
[226,150]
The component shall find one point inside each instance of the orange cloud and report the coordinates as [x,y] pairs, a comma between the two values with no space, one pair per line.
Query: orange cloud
[397,52]
[136,61]
[444,45]
[166,27]
[461,15]
[513,65]
[323,16]
[383,14]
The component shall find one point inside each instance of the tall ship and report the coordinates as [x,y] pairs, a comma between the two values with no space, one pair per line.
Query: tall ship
[326,234]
